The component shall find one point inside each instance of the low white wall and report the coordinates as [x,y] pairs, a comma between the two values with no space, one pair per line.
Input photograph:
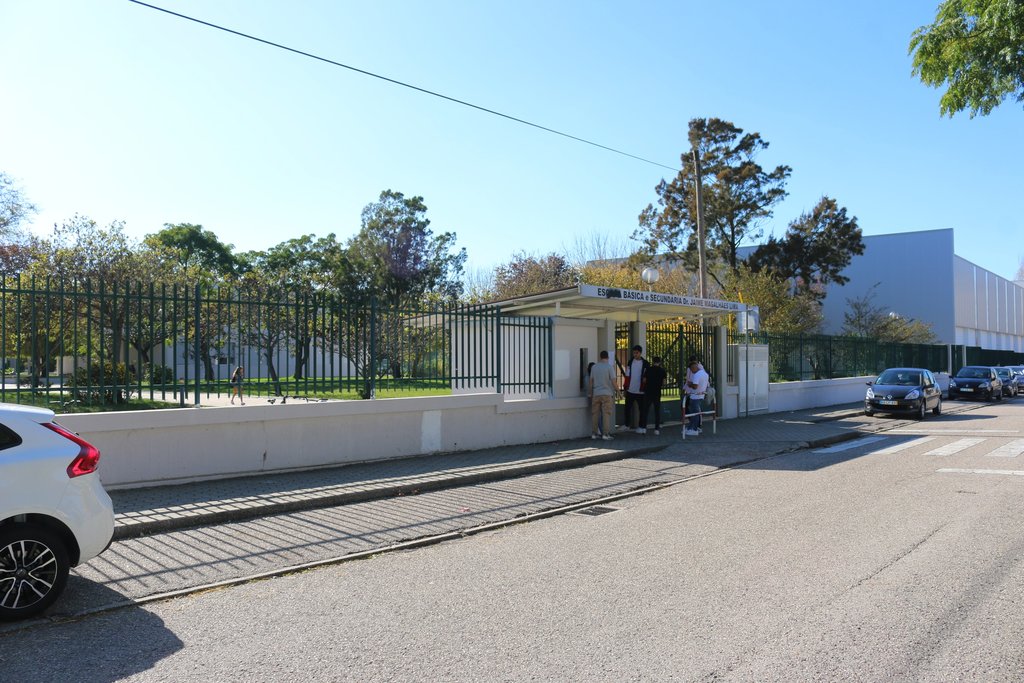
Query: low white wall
[145,448]
[148,448]
[784,396]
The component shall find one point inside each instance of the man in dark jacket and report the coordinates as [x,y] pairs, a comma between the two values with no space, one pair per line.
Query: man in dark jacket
[635,381]
[652,395]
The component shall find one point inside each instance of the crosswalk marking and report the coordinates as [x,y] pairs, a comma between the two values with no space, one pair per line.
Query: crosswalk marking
[953,432]
[955,447]
[958,470]
[851,444]
[905,445]
[1009,450]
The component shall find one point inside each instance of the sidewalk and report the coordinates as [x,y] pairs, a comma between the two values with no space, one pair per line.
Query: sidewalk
[149,510]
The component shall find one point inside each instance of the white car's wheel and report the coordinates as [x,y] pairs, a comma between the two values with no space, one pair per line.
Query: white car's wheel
[33,570]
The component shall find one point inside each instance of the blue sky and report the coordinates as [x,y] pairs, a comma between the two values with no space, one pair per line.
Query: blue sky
[120,112]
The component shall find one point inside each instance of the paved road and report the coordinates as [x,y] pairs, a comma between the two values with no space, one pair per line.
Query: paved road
[198,553]
[894,556]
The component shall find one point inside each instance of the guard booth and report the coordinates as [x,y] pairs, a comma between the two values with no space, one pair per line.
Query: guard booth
[588,319]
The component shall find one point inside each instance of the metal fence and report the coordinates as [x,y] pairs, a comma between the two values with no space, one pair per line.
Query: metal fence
[99,344]
[808,357]
[675,343]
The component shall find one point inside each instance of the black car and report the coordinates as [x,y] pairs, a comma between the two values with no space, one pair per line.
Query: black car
[904,390]
[1011,381]
[976,381]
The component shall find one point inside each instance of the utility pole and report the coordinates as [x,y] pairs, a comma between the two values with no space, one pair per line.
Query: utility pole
[701,258]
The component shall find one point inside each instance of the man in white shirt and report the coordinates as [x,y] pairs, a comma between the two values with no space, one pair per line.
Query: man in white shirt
[695,388]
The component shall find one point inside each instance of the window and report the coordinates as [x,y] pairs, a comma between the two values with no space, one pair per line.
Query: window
[8,439]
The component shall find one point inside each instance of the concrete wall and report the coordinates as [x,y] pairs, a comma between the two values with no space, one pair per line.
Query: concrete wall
[148,448]
[784,396]
[143,448]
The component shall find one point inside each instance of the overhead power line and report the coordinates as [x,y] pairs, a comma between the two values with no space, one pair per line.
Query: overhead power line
[404,85]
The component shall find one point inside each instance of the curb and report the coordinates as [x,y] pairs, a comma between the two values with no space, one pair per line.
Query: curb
[292,501]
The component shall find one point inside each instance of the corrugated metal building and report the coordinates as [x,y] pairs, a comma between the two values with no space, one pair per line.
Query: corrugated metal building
[918,275]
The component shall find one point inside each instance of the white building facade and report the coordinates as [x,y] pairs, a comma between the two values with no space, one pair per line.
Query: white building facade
[918,275]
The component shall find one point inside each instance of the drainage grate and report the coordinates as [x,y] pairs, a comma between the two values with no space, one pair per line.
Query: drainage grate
[595,511]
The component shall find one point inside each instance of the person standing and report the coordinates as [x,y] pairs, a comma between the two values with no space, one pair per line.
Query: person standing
[696,386]
[636,379]
[601,390]
[237,377]
[652,395]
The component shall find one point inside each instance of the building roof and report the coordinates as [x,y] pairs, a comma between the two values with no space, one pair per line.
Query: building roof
[614,303]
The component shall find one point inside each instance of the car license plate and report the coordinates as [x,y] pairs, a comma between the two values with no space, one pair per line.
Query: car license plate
[967,389]
[888,403]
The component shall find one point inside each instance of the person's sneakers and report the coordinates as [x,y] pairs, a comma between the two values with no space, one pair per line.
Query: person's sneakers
[595,436]
[641,430]
[692,432]
[657,432]
[607,437]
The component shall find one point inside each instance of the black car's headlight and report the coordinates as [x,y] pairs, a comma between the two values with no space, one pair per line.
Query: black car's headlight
[916,393]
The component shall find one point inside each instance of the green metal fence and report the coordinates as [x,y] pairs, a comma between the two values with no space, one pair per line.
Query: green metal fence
[807,357]
[98,344]
[675,343]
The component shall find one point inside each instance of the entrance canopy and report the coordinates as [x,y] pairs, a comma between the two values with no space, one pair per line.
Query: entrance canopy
[621,305]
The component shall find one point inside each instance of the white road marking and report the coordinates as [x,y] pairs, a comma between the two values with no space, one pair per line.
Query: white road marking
[851,444]
[905,445]
[1009,450]
[952,432]
[957,470]
[955,447]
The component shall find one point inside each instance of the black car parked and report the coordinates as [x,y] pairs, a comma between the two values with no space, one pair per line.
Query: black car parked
[904,390]
[1011,381]
[976,381]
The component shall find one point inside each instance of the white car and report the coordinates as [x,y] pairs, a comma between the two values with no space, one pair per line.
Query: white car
[54,512]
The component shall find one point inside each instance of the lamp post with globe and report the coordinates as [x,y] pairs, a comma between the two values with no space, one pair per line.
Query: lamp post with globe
[650,276]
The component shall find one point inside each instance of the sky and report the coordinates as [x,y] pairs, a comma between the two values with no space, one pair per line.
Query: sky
[119,112]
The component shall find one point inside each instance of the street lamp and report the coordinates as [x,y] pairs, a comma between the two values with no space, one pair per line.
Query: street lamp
[650,276]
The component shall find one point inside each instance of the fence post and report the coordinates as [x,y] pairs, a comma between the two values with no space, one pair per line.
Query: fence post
[551,356]
[371,382]
[498,367]
[197,311]
[831,370]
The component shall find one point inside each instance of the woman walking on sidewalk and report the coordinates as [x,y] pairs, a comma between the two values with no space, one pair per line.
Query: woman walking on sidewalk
[236,384]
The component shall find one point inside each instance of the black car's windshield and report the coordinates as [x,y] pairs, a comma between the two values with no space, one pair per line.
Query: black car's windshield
[1003,373]
[973,373]
[904,378]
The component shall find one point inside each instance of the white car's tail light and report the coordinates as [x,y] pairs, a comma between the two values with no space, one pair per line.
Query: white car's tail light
[88,458]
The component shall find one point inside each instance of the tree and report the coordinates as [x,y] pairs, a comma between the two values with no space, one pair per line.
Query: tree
[977,48]
[84,256]
[396,256]
[865,319]
[14,208]
[197,252]
[738,196]
[17,247]
[781,311]
[816,248]
[303,267]
[1020,272]
[526,274]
